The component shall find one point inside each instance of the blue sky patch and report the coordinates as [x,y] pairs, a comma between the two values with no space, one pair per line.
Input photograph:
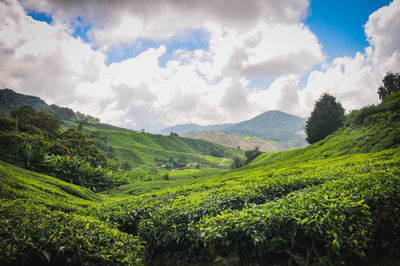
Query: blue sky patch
[260,82]
[81,29]
[339,25]
[192,40]
[40,16]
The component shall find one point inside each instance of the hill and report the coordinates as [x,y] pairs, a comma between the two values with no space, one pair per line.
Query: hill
[136,149]
[274,126]
[145,149]
[10,100]
[248,143]
[370,129]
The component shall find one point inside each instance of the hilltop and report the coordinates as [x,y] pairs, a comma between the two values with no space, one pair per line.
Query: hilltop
[11,100]
[273,125]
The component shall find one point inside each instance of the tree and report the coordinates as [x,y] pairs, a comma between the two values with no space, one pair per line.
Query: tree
[327,116]
[391,84]
[237,163]
[250,155]
[46,122]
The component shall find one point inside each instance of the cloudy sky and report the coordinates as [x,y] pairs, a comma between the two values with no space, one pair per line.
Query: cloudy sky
[155,63]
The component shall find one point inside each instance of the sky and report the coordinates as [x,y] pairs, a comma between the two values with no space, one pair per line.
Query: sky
[150,64]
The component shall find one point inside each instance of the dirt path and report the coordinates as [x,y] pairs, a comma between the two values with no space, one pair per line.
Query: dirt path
[222,162]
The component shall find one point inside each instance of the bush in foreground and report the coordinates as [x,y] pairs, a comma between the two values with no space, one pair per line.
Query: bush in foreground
[34,235]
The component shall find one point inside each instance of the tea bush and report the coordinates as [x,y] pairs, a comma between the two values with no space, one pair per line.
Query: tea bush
[32,235]
[323,224]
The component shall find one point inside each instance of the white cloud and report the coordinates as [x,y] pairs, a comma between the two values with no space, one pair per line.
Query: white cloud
[126,21]
[201,86]
[36,56]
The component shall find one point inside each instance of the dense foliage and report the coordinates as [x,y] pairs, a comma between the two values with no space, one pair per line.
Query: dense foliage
[250,155]
[10,100]
[34,235]
[327,116]
[34,140]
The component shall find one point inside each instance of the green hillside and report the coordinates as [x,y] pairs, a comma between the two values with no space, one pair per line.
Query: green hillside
[144,149]
[334,202]
[372,128]
[40,224]
[136,149]
[10,100]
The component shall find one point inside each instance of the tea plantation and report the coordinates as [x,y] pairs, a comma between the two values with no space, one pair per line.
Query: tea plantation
[336,202]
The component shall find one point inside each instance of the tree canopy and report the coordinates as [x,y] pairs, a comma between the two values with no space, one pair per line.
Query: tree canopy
[391,84]
[327,116]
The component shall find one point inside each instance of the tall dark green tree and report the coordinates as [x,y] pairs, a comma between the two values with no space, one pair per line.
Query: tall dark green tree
[327,116]
[391,84]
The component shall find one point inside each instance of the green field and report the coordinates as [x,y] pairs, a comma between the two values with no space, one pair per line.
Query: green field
[335,202]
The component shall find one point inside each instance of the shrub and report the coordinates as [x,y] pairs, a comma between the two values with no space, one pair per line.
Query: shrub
[80,172]
[33,235]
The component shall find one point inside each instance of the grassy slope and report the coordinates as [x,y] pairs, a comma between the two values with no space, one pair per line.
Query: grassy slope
[376,132]
[169,220]
[143,148]
[369,130]
[18,183]
[40,224]
[177,179]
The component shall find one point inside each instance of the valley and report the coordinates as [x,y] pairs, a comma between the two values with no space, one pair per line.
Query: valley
[335,201]
[199,133]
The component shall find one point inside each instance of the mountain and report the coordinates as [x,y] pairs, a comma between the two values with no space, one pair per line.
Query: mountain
[272,125]
[189,129]
[233,141]
[11,100]
[275,126]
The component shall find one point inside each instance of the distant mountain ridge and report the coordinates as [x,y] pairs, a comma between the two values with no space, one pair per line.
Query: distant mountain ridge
[11,100]
[272,125]
[185,129]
